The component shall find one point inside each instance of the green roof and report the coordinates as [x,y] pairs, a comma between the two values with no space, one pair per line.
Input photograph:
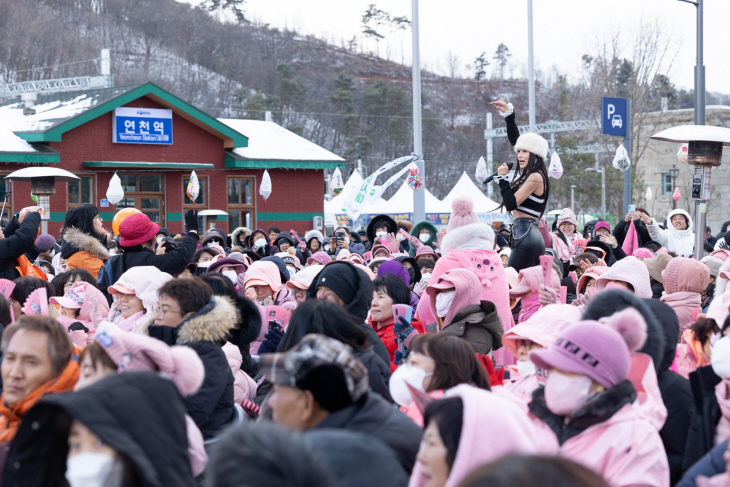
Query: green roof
[66,111]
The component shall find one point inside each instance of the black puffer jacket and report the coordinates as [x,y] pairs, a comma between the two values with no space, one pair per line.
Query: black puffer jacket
[19,239]
[675,390]
[173,262]
[701,435]
[139,414]
[375,416]
[359,306]
[206,332]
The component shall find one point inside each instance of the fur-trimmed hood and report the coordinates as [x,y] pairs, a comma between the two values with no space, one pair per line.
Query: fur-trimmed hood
[475,236]
[245,231]
[381,219]
[606,303]
[74,240]
[426,225]
[212,323]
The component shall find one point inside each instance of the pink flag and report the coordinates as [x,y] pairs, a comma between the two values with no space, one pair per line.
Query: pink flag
[631,242]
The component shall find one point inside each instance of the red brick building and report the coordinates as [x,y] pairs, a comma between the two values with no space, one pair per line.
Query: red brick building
[74,131]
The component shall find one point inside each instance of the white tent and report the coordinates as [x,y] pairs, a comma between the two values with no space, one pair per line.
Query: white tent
[402,202]
[466,187]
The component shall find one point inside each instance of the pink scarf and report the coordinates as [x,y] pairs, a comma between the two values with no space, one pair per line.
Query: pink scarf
[631,242]
[683,302]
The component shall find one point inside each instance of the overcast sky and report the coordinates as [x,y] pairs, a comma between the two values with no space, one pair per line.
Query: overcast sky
[564,30]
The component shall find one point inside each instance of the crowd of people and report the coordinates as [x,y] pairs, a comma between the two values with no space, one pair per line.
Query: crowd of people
[538,353]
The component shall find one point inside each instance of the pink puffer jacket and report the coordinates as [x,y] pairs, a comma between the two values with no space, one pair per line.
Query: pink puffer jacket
[626,449]
[244,387]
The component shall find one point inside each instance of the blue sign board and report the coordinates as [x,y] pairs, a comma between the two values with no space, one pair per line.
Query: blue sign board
[614,116]
[142,126]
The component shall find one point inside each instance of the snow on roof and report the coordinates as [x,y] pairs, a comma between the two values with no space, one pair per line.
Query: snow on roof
[466,187]
[9,142]
[51,110]
[269,141]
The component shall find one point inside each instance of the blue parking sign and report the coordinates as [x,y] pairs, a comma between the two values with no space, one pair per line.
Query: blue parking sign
[614,116]
[142,126]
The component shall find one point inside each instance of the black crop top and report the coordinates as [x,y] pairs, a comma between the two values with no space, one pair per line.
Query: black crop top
[533,205]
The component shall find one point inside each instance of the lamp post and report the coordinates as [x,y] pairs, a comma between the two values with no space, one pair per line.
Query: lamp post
[674,172]
[419,197]
[704,151]
[572,197]
[603,186]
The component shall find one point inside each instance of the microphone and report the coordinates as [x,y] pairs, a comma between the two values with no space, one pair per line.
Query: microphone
[489,179]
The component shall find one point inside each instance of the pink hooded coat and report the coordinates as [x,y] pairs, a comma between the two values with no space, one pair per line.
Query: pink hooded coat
[630,270]
[684,282]
[471,247]
[626,449]
[528,288]
[244,387]
[79,337]
[145,281]
[468,292]
[487,417]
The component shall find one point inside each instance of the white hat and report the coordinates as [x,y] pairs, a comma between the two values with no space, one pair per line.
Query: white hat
[533,143]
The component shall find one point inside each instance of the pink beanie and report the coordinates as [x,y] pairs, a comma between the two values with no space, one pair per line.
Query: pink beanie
[599,350]
[321,257]
[135,352]
[683,274]
[462,213]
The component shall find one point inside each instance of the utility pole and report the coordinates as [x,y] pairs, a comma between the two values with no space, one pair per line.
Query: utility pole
[419,197]
[572,197]
[490,154]
[531,66]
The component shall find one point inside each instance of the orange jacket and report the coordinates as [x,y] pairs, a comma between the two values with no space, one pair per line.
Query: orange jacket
[85,260]
[13,415]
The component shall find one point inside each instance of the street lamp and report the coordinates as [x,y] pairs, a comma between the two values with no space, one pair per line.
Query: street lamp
[572,197]
[603,187]
[699,66]
[674,172]
[704,151]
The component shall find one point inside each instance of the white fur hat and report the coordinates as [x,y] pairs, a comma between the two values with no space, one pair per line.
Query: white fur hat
[533,143]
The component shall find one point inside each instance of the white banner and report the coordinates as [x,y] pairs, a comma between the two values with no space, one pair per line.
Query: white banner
[358,196]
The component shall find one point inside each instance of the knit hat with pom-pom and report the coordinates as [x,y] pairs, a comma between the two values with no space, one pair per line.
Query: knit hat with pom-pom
[462,213]
[132,351]
[600,350]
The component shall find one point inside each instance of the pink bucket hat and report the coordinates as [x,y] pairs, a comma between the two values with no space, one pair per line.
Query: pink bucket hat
[567,215]
[425,251]
[136,352]
[543,327]
[263,273]
[321,257]
[599,350]
[72,299]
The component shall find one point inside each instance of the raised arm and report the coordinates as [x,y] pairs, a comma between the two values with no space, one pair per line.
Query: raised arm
[507,110]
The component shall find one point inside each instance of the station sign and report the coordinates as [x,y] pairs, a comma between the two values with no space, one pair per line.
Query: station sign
[142,126]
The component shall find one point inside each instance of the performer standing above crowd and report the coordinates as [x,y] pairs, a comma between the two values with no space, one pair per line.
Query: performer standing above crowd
[527,194]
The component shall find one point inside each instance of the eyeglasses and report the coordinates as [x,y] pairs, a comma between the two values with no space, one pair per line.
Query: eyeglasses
[161,312]
[99,217]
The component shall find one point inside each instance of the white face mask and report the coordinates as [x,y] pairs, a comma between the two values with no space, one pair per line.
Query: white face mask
[721,357]
[326,247]
[565,394]
[425,277]
[260,243]
[93,470]
[292,271]
[381,234]
[443,303]
[231,275]
[159,240]
[424,237]
[399,237]
[526,367]
[403,376]
[203,264]
[210,244]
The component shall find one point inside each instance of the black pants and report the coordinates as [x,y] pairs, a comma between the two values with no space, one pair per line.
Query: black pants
[526,243]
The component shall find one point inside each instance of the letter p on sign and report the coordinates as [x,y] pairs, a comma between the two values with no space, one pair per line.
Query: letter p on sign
[610,110]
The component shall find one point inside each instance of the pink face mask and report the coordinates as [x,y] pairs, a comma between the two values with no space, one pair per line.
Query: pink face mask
[565,394]
[613,285]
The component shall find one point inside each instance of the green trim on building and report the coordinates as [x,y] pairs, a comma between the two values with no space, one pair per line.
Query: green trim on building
[107,216]
[55,133]
[30,157]
[149,165]
[283,216]
[174,216]
[58,216]
[232,163]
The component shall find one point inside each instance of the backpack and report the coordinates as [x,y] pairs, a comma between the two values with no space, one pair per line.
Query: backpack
[110,273]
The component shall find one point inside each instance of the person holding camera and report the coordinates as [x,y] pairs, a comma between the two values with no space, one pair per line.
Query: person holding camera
[342,240]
